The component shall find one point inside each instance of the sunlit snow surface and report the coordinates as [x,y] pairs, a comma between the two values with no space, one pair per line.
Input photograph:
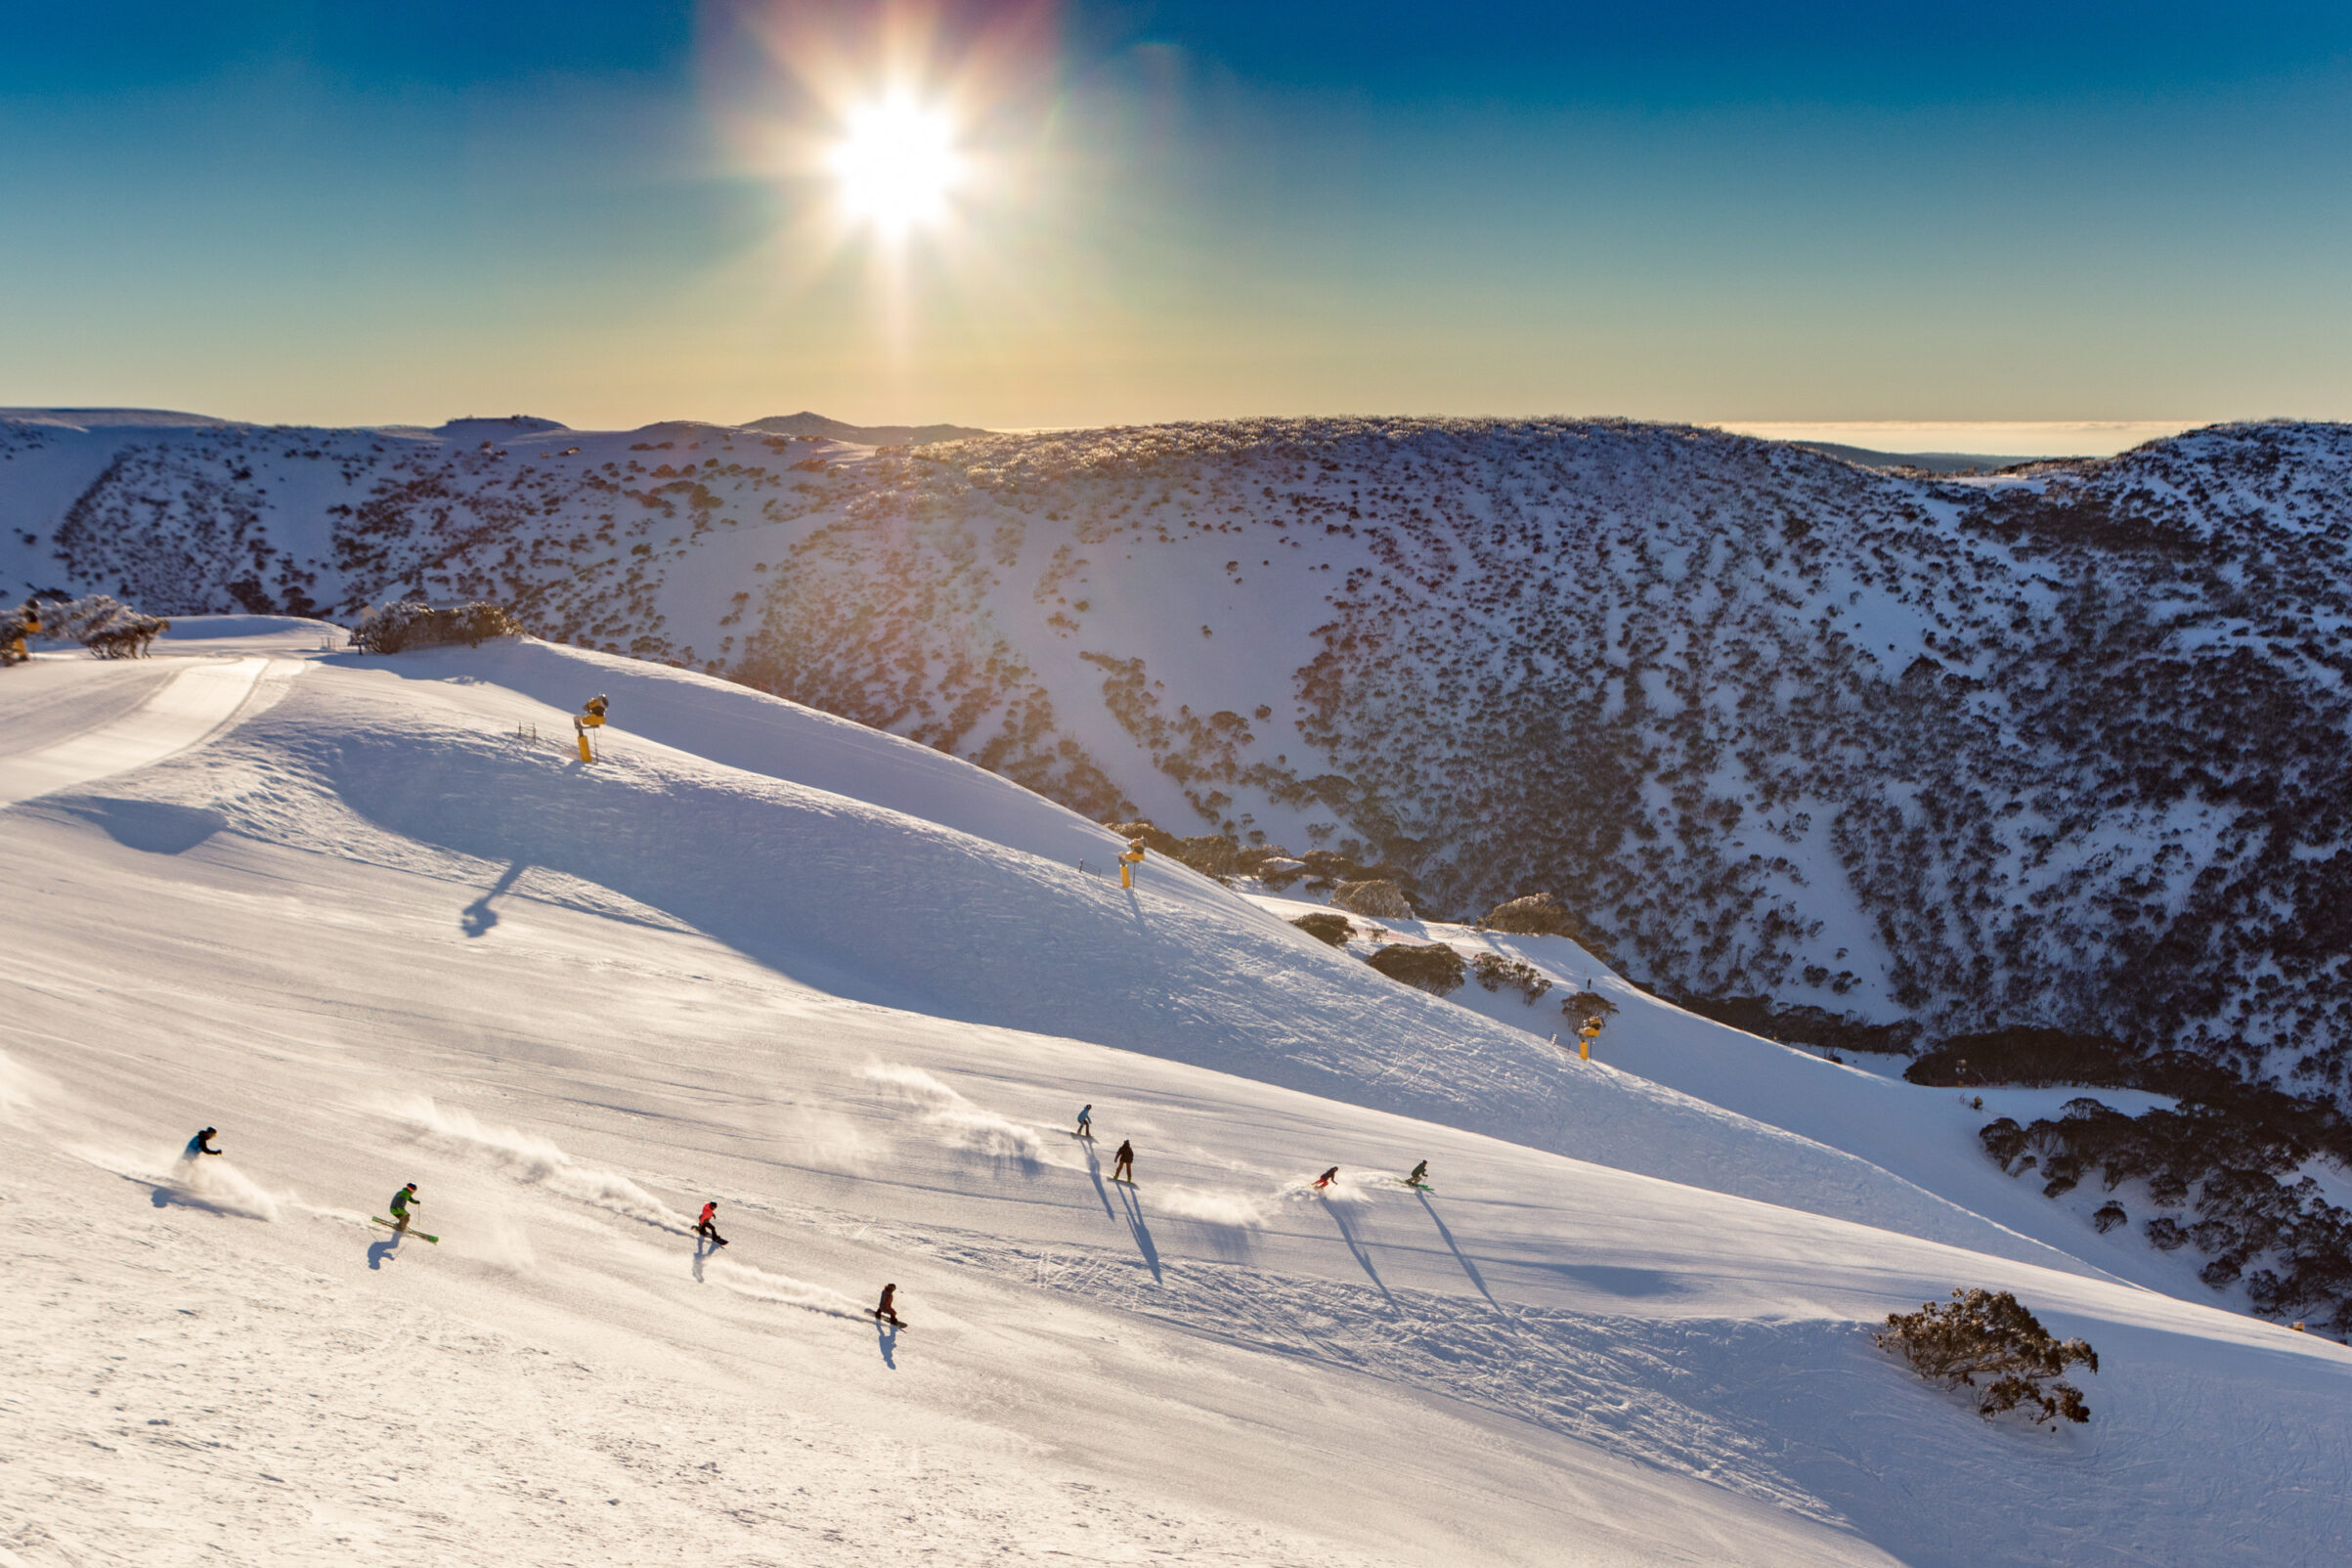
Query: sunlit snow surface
[857,990]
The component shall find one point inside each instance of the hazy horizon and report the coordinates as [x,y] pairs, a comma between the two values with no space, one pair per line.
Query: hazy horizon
[614,213]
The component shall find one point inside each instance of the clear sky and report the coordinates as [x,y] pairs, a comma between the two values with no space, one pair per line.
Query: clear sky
[609,213]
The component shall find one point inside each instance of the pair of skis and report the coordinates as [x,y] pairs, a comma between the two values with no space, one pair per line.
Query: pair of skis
[389,1226]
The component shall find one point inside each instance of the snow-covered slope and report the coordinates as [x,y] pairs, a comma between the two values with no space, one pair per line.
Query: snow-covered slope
[854,989]
[2063,746]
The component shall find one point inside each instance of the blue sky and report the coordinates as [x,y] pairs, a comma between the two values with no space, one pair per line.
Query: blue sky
[611,213]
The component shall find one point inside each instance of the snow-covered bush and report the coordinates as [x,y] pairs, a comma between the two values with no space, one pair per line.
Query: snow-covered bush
[413,623]
[1496,973]
[103,624]
[1984,1334]
[1380,901]
[1437,969]
[1326,926]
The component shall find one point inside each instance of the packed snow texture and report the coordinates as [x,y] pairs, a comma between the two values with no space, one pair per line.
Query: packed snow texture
[855,990]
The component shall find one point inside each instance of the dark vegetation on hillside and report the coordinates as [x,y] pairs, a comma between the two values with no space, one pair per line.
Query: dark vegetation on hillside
[2070,743]
[1988,1336]
[396,628]
[2222,1167]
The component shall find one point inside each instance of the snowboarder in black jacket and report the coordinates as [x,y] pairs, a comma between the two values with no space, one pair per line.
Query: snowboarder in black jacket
[887,1312]
[1122,1163]
[200,1144]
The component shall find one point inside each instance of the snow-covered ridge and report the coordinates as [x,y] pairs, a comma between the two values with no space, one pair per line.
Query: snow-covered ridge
[2059,750]
[382,926]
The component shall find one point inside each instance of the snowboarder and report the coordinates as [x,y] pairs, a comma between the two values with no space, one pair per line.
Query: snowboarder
[888,1313]
[200,1144]
[1122,1163]
[1326,1178]
[1420,1176]
[1086,1121]
[708,1224]
[402,1201]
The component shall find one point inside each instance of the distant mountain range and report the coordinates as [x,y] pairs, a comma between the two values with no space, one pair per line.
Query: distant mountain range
[2064,747]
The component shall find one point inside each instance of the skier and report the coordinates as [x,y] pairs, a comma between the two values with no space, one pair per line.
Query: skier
[1326,1178]
[1086,1121]
[200,1144]
[886,1312]
[402,1201]
[708,1224]
[1122,1165]
[1420,1176]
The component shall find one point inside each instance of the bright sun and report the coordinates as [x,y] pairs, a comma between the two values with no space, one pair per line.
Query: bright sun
[896,163]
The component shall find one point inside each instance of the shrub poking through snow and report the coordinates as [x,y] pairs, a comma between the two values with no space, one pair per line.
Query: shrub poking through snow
[1540,914]
[1986,1335]
[1380,901]
[1497,974]
[413,623]
[103,624]
[1326,926]
[1437,970]
[1588,1004]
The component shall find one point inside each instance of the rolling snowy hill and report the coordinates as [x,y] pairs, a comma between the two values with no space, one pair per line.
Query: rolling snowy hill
[357,914]
[2061,748]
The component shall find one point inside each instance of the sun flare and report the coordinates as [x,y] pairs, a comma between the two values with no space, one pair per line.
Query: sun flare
[896,164]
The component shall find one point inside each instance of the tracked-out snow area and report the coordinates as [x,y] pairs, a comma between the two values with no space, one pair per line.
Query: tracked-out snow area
[376,922]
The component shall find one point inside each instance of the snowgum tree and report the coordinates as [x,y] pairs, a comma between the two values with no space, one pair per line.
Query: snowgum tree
[1984,1334]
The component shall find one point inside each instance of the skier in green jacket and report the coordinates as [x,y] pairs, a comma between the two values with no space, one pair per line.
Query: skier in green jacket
[402,1201]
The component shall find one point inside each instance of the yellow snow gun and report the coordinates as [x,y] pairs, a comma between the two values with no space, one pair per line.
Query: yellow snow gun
[591,718]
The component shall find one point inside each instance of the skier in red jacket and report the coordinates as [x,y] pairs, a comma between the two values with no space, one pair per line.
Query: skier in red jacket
[705,1226]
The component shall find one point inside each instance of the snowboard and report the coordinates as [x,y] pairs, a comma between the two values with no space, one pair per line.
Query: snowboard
[884,1321]
[389,1226]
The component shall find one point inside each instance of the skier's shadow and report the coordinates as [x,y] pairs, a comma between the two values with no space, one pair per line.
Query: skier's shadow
[479,917]
[1460,1257]
[1347,1234]
[885,1339]
[378,1251]
[1094,1168]
[701,1250]
[1142,1233]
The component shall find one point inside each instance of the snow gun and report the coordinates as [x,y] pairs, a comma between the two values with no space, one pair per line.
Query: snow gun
[1585,1037]
[1129,862]
[582,723]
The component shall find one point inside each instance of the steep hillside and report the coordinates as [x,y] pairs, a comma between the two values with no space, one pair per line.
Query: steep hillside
[2064,747]
[345,910]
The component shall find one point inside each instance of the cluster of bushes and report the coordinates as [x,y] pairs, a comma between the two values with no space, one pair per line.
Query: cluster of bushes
[1498,974]
[1541,914]
[1804,1024]
[1326,926]
[1224,858]
[1436,969]
[413,623]
[100,623]
[2230,1169]
[1987,1335]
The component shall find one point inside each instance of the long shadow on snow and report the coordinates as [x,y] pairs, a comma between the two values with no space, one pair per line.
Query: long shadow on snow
[1347,1234]
[479,916]
[875,906]
[1460,1257]
[1142,1233]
